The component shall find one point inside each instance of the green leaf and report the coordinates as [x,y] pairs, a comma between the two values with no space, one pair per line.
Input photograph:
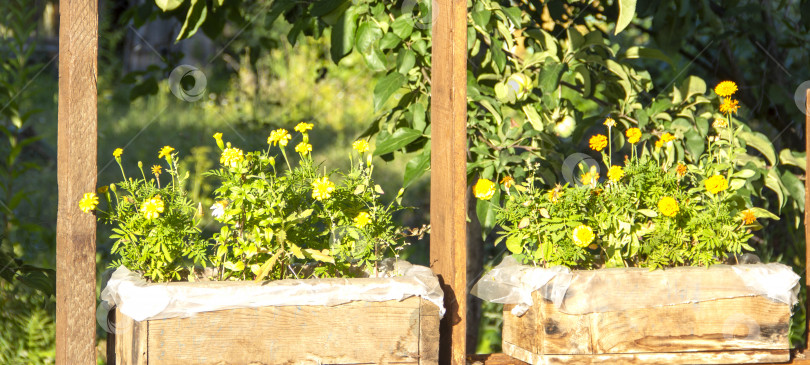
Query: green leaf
[773,182]
[481,17]
[794,187]
[343,35]
[194,19]
[693,85]
[403,26]
[648,213]
[367,33]
[797,159]
[387,143]
[694,144]
[762,213]
[485,210]
[386,87]
[627,9]
[418,112]
[167,5]
[761,143]
[266,267]
[514,244]
[533,116]
[322,256]
[325,7]
[406,59]
[417,167]
[550,77]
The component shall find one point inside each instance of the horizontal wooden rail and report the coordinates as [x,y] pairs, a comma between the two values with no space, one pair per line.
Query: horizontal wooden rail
[503,359]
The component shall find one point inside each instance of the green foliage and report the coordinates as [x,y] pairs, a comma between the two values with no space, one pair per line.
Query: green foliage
[297,222]
[28,326]
[156,227]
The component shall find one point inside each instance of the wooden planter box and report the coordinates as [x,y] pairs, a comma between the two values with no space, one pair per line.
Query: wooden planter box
[355,332]
[741,329]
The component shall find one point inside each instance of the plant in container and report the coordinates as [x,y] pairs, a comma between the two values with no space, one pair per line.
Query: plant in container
[299,261]
[583,283]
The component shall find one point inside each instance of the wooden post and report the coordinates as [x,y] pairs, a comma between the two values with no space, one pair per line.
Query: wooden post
[76,231]
[448,179]
[807,213]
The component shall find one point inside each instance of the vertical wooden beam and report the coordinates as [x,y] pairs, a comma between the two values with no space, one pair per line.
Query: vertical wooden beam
[76,169]
[448,184]
[807,214]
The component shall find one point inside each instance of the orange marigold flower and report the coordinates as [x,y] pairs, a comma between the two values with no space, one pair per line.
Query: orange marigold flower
[598,142]
[507,182]
[729,106]
[681,169]
[633,135]
[748,216]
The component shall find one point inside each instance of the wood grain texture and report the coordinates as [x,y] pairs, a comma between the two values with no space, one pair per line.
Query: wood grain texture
[76,169]
[130,341]
[448,184]
[503,359]
[730,330]
[807,206]
[392,332]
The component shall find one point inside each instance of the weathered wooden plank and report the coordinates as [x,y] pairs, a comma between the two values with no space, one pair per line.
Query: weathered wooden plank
[807,208]
[428,333]
[448,204]
[701,357]
[130,341]
[76,170]
[714,330]
[392,332]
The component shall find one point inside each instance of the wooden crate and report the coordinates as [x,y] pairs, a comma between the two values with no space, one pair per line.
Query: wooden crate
[401,332]
[751,329]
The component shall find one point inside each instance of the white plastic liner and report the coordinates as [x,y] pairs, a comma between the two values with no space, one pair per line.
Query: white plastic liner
[607,290]
[143,301]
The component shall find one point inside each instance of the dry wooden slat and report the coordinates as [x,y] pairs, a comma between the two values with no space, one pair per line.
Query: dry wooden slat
[503,359]
[448,186]
[742,329]
[130,341]
[76,169]
[392,332]
[807,210]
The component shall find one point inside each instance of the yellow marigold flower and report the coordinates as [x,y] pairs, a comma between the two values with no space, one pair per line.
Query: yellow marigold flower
[156,169]
[668,206]
[362,220]
[615,173]
[507,182]
[360,145]
[218,136]
[231,157]
[729,106]
[748,216]
[303,148]
[166,151]
[322,188]
[589,178]
[598,142]
[633,135]
[88,202]
[583,235]
[279,136]
[303,127]
[658,144]
[151,208]
[681,169]
[667,137]
[725,88]
[719,123]
[484,189]
[716,184]
[555,194]
[118,152]
[609,122]
[103,189]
